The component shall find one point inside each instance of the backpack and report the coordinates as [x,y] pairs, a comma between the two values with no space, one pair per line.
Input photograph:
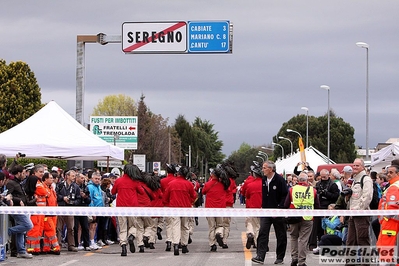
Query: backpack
[375,200]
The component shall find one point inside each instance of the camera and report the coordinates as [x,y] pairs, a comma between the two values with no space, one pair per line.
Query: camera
[346,192]
[21,154]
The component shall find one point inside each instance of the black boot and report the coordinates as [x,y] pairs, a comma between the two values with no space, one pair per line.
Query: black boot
[176,249]
[159,230]
[184,249]
[124,251]
[152,246]
[141,249]
[131,244]
[168,246]
[145,240]
[190,240]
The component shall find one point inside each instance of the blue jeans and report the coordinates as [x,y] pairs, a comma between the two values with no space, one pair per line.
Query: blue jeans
[22,225]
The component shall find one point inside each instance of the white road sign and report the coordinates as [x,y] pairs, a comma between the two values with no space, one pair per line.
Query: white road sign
[145,37]
[117,130]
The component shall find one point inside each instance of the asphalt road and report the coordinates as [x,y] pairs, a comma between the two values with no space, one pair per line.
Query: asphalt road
[199,253]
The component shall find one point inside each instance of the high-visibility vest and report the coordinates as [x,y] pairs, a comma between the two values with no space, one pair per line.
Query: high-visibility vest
[302,201]
[388,201]
[40,194]
[329,230]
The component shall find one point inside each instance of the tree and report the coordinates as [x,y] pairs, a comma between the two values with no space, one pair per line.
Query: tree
[203,140]
[155,136]
[20,94]
[243,158]
[116,105]
[342,141]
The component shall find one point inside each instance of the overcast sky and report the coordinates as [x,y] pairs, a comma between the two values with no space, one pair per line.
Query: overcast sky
[282,52]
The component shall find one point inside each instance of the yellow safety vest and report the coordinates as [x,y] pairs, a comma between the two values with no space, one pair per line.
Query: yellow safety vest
[302,201]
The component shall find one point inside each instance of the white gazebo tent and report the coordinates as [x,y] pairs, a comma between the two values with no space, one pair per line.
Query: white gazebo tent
[384,156]
[313,156]
[53,133]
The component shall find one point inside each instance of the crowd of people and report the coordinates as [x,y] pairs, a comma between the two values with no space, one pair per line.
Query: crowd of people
[353,189]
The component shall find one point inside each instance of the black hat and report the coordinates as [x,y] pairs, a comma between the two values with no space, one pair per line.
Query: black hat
[257,170]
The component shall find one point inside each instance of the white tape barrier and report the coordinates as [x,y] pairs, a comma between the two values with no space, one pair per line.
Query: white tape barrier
[187,212]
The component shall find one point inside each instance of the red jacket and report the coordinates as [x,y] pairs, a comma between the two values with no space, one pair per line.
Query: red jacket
[253,193]
[249,179]
[230,194]
[52,198]
[144,195]
[165,181]
[157,202]
[179,193]
[126,190]
[215,194]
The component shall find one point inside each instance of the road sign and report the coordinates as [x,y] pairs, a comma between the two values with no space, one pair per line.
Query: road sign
[117,130]
[209,36]
[154,37]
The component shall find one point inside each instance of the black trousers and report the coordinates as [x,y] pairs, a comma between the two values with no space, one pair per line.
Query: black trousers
[84,224]
[330,240]
[280,228]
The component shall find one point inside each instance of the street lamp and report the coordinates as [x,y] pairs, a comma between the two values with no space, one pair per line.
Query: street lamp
[264,154]
[307,125]
[325,87]
[292,148]
[290,130]
[282,149]
[366,46]
[263,160]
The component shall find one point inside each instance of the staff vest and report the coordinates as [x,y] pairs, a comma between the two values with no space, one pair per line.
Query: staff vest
[302,201]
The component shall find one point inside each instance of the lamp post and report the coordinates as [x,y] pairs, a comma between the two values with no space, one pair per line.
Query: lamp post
[282,149]
[257,156]
[264,154]
[366,46]
[292,148]
[325,87]
[307,125]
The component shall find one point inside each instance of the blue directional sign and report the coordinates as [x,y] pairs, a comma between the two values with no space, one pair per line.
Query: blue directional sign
[208,36]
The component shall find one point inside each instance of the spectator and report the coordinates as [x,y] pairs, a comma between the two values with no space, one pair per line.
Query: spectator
[358,226]
[97,200]
[22,223]
[82,221]
[328,193]
[68,194]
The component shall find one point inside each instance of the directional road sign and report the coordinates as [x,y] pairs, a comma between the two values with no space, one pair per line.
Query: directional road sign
[208,36]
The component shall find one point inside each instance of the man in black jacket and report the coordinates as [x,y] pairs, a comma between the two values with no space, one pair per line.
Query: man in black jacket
[82,220]
[22,222]
[328,193]
[274,192]
[68,194]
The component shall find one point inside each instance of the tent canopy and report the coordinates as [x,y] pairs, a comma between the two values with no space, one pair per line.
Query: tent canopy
[53,133]
[385,156]
[313,156]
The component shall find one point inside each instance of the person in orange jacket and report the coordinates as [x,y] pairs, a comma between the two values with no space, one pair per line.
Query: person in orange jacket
[50,240]
[35,189]
[389,224]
